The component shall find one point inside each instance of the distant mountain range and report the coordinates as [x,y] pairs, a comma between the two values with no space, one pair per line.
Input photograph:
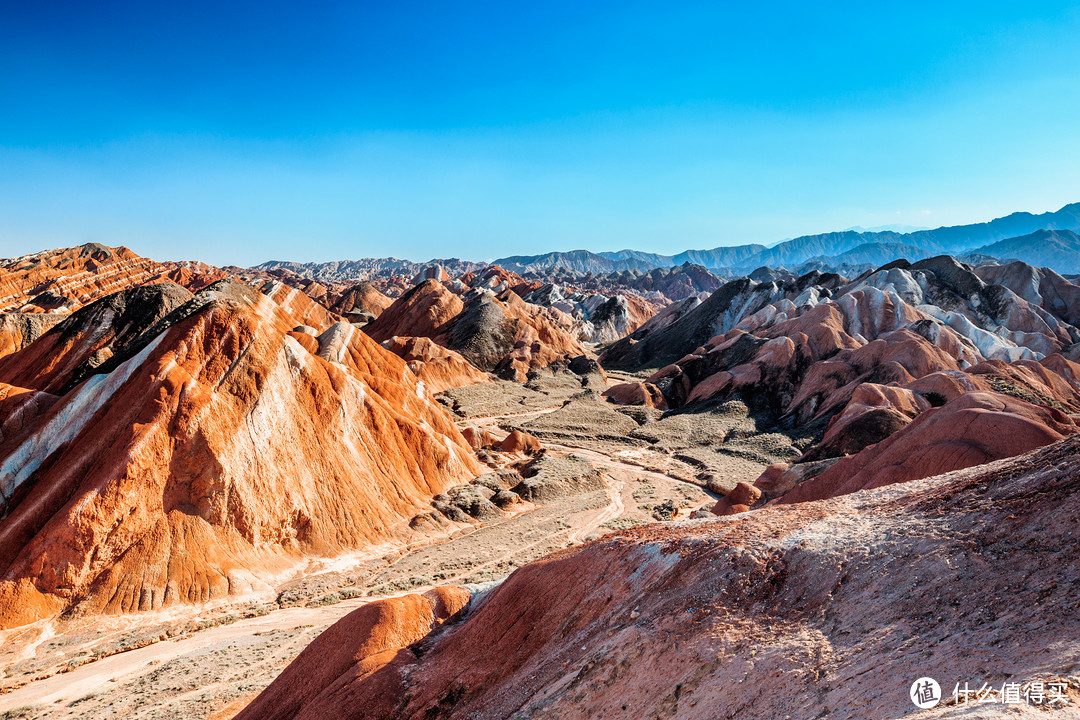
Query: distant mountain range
[1012,237]
[1055,249]
[1044,240]
[893,228]
[366,268]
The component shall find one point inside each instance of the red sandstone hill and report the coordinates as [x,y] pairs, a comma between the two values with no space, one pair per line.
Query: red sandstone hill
[423,311]
[428,308]
[498,333]
[973,429]
[66,279]
[76,347]
[357,301]
[437,367]
[360,298]
[159,448]
[830,607]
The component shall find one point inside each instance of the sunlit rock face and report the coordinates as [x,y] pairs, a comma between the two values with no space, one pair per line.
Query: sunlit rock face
[164,448]
[438,368]
[598,318]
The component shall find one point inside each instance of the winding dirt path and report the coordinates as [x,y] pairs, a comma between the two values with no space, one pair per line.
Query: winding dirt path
[614,509]
[491,420]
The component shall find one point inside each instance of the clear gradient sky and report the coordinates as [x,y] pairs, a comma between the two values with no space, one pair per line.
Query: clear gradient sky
[243,132]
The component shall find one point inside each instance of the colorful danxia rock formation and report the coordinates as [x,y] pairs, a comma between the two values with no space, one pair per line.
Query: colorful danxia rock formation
[161,447]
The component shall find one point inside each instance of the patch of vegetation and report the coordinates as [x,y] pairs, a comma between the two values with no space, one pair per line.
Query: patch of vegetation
[27,711]
[403,584]
[81,700]
[664,511]
[216,622]
[623,523]
[336,597]
[689,493]
[259,610]
[1007,387]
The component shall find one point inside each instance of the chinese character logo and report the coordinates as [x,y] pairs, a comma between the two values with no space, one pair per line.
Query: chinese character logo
[925,693]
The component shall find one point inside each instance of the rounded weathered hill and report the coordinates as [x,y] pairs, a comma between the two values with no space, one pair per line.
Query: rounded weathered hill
[438,368]
[864,367]
[424,311]
[1018,312]
[661,343]
[222,449]
[498,333]
[360,298]
[596,317]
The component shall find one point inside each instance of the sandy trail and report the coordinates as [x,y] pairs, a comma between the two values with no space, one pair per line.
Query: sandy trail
[115,670]
[489,420]
[613,510]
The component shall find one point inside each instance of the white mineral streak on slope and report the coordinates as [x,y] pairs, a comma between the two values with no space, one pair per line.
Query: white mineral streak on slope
[968,354]
[884,312]
[744,305]
[254,449]
[781,310]
[771,314]
[991,346]
[264,307]
[107,277]
[298,358]
[177,358]
[272,289]
[652,559]
[334,343]
[810,296]
[86,340]
[76,412]
[257,451]
[455,450]
[910,288]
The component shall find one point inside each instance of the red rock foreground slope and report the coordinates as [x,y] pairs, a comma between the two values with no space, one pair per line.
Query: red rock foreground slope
[164,448]
[823,609]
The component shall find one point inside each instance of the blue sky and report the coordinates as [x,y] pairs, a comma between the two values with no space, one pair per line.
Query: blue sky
[237,133]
